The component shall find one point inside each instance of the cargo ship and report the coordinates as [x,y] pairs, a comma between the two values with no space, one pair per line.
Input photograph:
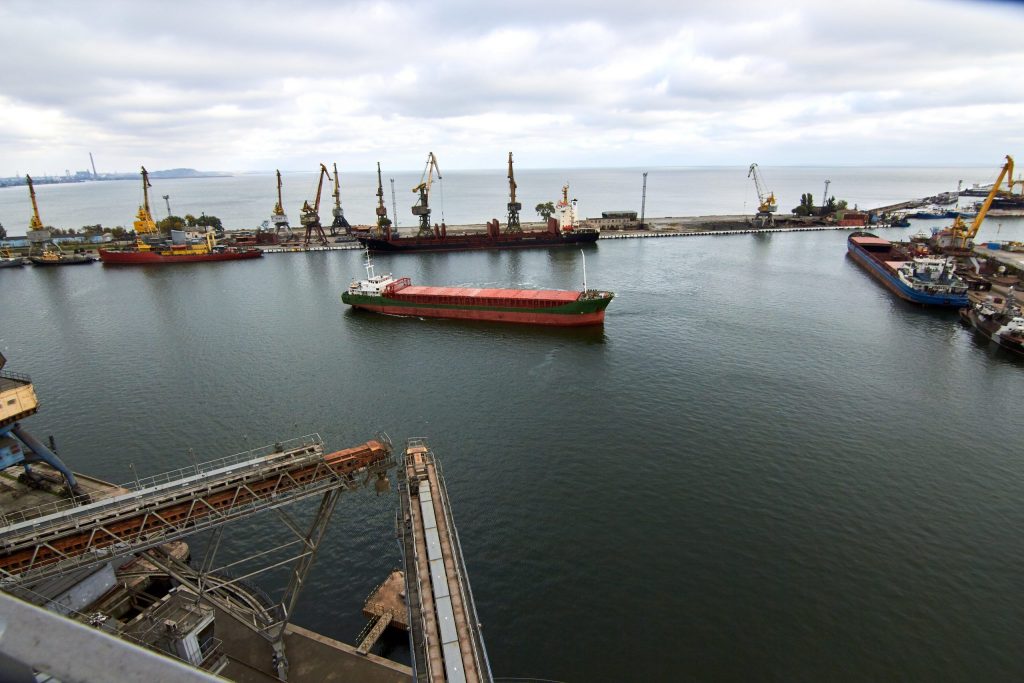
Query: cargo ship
[1001,320]
[563,308]
[922,279]
[561,231]
[151,248]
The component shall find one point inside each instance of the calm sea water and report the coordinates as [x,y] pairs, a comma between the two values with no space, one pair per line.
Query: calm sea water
[762,467]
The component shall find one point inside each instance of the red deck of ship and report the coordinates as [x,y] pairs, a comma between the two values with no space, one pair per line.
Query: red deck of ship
[483,297]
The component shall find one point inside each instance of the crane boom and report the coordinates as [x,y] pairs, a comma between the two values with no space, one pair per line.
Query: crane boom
[767,205]
[144,223]
[279,207]
[959,229]
[512,224]
[339,215]
[383,222]
[34,223]
[422,207]
[311,214]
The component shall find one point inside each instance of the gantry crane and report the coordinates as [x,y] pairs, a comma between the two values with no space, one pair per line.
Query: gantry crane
[311,214]
[767,205]
[339,215]
[383,222]
[512,225]
[422,207]
[960,231]
[278,218]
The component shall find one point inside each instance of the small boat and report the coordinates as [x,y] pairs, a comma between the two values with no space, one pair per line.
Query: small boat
[1001,320]
[386,294]
[928,214]
[9,260]
[922,279]
[51,255]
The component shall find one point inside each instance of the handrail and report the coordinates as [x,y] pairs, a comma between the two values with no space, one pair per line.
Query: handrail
[64,504]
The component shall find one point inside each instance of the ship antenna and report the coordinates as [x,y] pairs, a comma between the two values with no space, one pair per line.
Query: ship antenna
[584,270]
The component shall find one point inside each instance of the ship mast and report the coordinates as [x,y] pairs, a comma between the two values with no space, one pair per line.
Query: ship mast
[512,225]
[383,223]
[34,223]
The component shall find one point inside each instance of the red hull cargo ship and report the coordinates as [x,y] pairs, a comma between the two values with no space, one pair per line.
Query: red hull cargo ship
[150,247]
[385,294]
[562,231]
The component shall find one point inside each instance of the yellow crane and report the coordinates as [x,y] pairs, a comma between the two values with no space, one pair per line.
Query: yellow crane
[768,206]
[960,231]
[40,245]
[311,214]
[422,207]
[144,224]
[512,225]
[34,223]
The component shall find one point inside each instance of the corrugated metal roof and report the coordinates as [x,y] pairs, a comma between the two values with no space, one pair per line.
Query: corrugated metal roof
[479,293]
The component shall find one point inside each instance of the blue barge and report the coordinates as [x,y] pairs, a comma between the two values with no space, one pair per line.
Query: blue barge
[928,280]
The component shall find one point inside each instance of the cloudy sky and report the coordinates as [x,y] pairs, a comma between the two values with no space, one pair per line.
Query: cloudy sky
[262,85]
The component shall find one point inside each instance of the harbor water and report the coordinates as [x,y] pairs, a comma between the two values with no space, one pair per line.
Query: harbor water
[762,467]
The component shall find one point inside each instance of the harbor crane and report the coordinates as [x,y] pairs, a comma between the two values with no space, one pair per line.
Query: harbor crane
[34,223]
[383,222]
[422,207]
[278,217]
[768,206]
[311,214]
[339,216]
[144,224]
[960,231]
[512,225]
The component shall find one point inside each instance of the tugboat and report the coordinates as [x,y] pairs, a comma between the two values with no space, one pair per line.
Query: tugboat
[386,294]
[1002,321]
[43,251]
[151,248]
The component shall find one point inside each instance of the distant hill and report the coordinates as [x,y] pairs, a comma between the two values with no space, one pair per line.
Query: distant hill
[186,173]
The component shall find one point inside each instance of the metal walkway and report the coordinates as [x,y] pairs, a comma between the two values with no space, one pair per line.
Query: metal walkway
[47,541]
[446,640]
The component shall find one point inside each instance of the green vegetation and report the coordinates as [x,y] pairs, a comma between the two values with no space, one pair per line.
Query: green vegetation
[807,207]
[545,210]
